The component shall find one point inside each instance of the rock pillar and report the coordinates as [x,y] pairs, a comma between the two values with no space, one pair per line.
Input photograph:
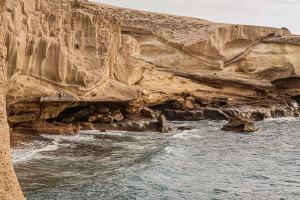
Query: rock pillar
[9,185]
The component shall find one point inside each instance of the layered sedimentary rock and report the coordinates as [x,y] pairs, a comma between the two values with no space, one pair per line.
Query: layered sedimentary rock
[94,52]
[75,62]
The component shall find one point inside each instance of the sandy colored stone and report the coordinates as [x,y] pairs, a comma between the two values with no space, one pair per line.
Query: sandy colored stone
[99,52]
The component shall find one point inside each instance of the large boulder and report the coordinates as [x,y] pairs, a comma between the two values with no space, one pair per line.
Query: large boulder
[149,113]
[240,125]
[163,126]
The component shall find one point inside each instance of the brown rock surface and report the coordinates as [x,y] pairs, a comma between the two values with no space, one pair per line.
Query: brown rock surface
[149,113]
[163,126]
[47,128]
[55,54]
[240,125]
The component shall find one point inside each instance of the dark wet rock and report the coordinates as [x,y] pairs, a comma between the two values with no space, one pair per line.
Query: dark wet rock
[197,115]
[181,115]
[187,104]
[149,113]
[240,125]
[185,128]
[76,114]
[257,113]
[219,101]
[290,82]
[197,106]
[141,125]
[201,101]
[215,114]
[102,110]
[259,116]
[163,126]
[176,105]
[283,112]
[176,114]
[264,109]
[68,119]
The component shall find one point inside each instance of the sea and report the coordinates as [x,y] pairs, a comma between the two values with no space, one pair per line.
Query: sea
[201,163]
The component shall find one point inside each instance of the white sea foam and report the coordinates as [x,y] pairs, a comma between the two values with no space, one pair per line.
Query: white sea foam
[136,147]
[70,138]
[96,132]
[187,134]
[36,148]
[32,152]
[168,150]
[282,119]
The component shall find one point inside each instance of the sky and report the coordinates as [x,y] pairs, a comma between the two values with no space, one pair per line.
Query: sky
[274,13]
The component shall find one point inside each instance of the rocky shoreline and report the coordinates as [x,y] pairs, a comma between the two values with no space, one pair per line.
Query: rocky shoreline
[23,134]
[71,117]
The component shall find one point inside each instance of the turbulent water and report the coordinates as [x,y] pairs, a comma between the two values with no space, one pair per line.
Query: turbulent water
[202,163]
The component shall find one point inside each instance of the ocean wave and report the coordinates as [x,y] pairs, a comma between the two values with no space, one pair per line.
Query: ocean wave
[32,152]
[97,132]
[70,138]
[187,134]
[51,143]
[282,119]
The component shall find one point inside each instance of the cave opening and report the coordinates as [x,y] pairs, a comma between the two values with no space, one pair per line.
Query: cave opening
[33,117]
[297,99]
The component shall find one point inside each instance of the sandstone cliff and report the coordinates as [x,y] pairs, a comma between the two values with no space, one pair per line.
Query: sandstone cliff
[83,50]
[61,54]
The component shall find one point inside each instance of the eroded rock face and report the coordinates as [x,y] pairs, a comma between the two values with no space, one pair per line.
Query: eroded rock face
[9,186]
[63,54]
[61,44]
[98,52]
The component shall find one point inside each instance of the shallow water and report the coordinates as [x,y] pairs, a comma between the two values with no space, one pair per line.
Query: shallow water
[203,163]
